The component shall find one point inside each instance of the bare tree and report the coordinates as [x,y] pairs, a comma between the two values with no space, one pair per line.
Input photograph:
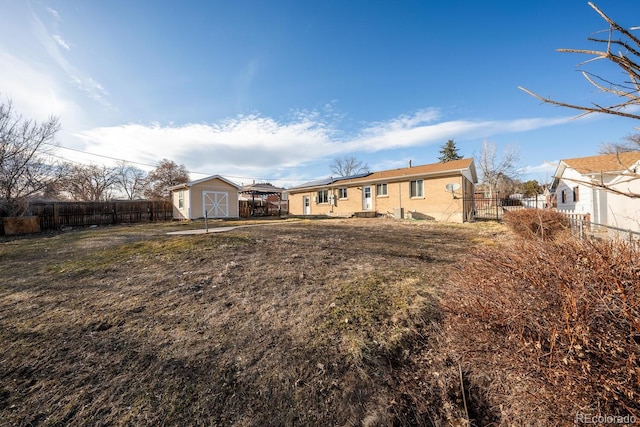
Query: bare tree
[130,180]
[496,171]
[626,59]
[90,183]
[348,166]
[631,143]
[25,166]
[166,174]
[621,48]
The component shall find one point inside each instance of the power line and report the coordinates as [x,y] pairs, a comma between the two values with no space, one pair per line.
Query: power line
[105,157]
[153,166]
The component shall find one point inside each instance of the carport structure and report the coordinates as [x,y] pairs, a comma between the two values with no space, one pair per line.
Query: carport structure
[262,191]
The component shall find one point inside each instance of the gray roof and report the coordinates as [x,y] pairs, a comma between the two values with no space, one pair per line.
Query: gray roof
[330,180]
[261,189]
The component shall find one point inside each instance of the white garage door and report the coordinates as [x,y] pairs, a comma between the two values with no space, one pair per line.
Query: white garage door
[215,204]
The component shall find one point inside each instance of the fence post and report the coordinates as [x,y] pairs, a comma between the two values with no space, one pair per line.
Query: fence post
[56,216]
[587,218]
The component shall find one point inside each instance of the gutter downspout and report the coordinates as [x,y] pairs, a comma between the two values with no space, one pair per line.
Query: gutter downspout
[400,194]
[190,202]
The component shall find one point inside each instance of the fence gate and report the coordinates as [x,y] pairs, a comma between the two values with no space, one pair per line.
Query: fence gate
[215,204]
[492,208]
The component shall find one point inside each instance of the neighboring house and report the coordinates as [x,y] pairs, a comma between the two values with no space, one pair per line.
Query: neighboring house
[440,191]
[578,188]
[215,196]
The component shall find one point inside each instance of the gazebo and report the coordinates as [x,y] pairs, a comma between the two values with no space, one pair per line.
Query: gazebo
[263,191]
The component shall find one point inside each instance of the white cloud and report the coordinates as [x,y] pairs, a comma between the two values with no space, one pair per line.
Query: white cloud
[34,92]
[53,13]
[256,146]
[542,172]
[421,129]
[52,44]
[62,42]
[403,122]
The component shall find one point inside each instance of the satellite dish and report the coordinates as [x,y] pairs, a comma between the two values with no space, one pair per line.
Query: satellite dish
[452,186]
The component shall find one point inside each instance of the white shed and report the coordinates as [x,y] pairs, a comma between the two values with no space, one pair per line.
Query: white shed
[214,196]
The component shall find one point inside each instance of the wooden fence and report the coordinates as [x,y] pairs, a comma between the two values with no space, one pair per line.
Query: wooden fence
[55,215]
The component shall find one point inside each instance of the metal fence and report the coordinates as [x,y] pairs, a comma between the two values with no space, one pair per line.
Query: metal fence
[582,227]
[493,208]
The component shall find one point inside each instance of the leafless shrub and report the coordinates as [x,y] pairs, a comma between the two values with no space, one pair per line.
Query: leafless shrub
[550,329]
[537,223]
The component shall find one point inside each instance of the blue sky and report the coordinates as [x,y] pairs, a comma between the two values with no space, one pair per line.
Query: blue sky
[274,90]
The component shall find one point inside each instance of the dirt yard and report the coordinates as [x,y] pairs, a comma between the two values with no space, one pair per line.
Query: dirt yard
[322,322]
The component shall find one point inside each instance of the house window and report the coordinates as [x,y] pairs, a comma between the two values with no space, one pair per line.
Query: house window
[342,193]
[181,199]
[381,189]
[323,196]
[416,188]
[564,196]
[576,194]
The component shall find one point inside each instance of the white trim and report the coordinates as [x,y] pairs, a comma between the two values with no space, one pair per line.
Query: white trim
[209,178]
[367,202]
[219,204]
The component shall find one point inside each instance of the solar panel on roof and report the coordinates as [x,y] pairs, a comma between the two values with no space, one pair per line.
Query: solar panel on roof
[316,183]
[330,180]
[360,175]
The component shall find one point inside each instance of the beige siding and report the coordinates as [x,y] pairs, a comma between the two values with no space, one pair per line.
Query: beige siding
[193,208]
[353,201]
[177,212]
[213,185]
[295,203]
[437,202]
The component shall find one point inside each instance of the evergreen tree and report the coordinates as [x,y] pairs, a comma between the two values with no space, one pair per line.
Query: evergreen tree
[449,152]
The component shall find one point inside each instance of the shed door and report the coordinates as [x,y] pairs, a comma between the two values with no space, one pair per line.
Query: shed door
[215,204]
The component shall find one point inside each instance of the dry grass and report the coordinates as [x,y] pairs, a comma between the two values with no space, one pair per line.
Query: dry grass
[332,322]
[309,323]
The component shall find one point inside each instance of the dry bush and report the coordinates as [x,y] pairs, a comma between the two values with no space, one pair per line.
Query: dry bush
[550,329]
[537,223]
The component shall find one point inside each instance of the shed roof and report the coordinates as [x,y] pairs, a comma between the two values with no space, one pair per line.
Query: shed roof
[198,181]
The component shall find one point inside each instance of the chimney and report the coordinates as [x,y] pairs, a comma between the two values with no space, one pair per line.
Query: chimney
[409,163]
